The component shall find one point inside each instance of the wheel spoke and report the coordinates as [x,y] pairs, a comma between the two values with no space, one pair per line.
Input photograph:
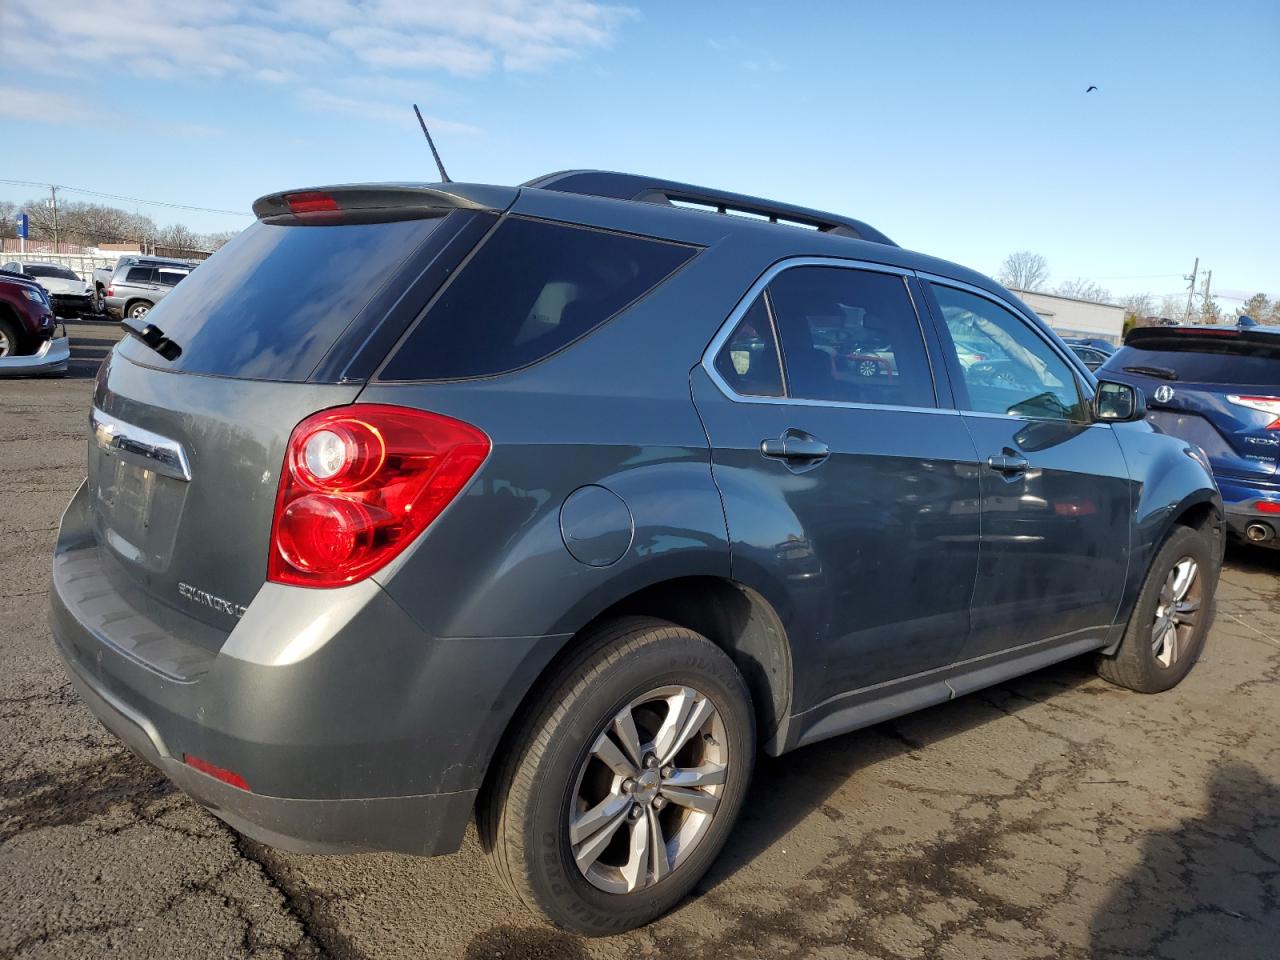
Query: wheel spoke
[602,813]
[693,799]
[636,870]
[682,722]
[1183,575]
[589,851]
[658,862]
[612,757]
[707,775]
[624,725]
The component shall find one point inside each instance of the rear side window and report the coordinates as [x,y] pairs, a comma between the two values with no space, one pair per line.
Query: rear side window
[1204,360]
[530,290]
[748,362]
[851,336]
[140,275]
[170,278]
[272,302]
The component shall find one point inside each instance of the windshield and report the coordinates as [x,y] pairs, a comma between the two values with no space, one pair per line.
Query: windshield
[271,303]
[50,270]
[1204,361]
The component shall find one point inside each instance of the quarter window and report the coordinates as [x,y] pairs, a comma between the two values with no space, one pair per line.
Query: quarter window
[850,336]
[748,362]
[1007,368]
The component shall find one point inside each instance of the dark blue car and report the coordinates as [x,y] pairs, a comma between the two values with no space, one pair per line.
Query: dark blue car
[1219,388]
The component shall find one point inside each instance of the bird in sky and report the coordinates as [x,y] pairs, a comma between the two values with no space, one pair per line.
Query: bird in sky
[1091,89]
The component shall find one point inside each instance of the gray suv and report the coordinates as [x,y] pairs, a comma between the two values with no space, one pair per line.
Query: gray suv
[555,504]
[141,283]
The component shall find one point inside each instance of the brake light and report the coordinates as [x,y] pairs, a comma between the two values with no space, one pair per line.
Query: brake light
[1269,405]
[111,291]
[359,483]
[213,770]
[311,201]
[1267,506]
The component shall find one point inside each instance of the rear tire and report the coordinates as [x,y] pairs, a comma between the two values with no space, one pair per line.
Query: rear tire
[1167,629]
[605,845]
[138,309]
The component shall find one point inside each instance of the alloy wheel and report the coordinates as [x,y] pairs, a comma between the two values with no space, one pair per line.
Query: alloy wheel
[6,345]
[1176,612]
[648,790]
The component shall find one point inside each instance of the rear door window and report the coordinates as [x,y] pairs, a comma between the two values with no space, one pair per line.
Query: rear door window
[851,336]
[140,275]
[533,288]
[171,278]
[272,302]
[748,361]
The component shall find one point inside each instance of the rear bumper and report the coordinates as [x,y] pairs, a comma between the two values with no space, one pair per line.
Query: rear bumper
[353,729]
[1240,502]
[52,358]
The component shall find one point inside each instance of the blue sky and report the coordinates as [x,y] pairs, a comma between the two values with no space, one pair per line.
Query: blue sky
[961,129]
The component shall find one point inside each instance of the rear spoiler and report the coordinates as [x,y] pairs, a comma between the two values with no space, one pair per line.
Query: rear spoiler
[1184,338]
[379,202]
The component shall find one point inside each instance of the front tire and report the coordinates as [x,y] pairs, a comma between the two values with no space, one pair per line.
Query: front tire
[10,338]
[1167,629]
[626,780]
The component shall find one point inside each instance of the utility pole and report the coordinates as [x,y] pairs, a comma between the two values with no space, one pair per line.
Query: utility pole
[1191,287]
[53,191]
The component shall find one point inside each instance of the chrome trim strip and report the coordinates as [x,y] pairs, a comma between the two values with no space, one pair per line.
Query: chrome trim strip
[743,305]
[150,450]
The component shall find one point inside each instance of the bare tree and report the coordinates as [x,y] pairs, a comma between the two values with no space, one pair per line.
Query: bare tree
[1137,304]
[212,241]
[1024,270]
[1082,289]
[1173,307]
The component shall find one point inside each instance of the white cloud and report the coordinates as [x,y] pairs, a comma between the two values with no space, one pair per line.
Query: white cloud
[45,106]
[278,41]
[325,102]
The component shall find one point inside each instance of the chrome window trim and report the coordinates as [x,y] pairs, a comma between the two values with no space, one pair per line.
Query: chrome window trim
[142,447]
[757,288]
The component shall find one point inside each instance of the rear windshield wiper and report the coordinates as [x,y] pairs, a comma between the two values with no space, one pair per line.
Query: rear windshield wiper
[153,337]
[1164,373]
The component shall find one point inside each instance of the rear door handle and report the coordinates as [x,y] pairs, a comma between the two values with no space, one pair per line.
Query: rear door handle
[796,448]
[1004,463]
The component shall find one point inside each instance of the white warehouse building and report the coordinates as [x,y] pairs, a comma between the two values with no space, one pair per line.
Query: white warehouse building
[1076,318]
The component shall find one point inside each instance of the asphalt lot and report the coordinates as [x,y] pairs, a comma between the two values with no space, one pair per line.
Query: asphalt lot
[1052,817]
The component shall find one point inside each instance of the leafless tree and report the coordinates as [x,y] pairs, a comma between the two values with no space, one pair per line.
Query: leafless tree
[1083,289]
[1024,270]
[1137,305]
[212,241]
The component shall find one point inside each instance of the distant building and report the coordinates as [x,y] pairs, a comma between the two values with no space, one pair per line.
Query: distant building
[1071,317]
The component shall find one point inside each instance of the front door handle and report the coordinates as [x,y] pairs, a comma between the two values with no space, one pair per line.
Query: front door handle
[1007,464]
[796,448]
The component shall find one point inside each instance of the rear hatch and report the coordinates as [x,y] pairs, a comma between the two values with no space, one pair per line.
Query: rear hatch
[190,432]
[1217,388]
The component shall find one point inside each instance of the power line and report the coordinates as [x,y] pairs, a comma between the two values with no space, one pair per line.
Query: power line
[112,196]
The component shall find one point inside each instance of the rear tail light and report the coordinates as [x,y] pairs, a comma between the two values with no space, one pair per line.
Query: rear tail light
[111,291]
[1269,405]
[359,483]
[1268,506]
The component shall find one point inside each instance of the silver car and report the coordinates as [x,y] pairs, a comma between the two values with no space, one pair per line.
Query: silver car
[137,287]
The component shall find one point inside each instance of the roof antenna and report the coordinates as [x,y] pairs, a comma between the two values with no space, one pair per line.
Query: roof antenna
[444,177]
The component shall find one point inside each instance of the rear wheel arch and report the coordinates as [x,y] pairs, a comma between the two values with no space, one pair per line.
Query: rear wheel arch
[733,616]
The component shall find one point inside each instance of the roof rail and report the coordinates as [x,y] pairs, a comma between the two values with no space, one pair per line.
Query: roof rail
[630,186]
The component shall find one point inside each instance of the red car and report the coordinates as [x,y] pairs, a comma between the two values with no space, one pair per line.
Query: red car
[28,330]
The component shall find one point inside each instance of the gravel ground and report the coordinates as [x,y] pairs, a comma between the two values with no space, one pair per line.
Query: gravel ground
[1055,816]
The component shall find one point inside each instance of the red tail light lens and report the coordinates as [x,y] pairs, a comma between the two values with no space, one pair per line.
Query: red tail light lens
[111,291]
[213,770]
[359,483]
[311,202]
[1268,506]
[1269,405]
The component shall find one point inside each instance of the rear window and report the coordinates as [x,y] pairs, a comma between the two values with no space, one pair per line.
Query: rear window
[533,288]
[1204,360]
[273,301]
[46,270]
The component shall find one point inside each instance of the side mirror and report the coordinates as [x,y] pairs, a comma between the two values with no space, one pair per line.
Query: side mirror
[1118,403]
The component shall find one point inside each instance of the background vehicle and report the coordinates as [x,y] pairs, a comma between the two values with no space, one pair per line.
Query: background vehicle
[138,286]
[102,276]
[68,293]
[553,503]
[1093,357]
[28,329]
[1219,388]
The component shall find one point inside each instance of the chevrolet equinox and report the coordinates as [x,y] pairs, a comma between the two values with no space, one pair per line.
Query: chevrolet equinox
[554,504]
